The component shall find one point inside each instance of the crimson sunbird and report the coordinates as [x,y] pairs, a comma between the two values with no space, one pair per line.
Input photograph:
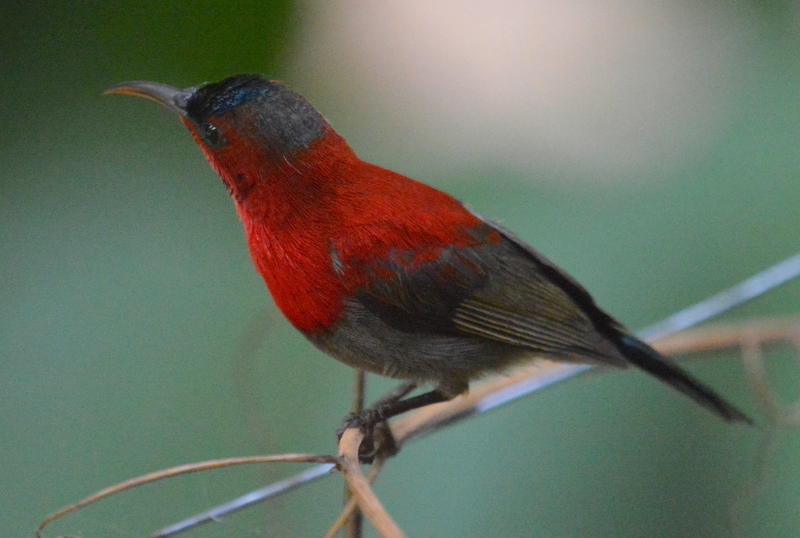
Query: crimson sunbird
[387,274]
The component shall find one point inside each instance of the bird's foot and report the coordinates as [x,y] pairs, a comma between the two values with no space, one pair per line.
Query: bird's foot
[378,439]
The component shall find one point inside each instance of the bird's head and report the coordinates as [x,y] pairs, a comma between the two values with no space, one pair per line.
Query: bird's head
[249,128]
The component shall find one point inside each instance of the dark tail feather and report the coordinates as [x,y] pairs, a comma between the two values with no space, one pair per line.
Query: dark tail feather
[651,361]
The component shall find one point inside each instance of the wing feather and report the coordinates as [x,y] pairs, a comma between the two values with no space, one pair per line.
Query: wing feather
[501,291]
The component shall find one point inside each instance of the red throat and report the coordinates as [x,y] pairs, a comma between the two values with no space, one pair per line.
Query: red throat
[315,219]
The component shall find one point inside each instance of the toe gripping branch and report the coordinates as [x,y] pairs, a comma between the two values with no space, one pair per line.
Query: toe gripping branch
[373,420]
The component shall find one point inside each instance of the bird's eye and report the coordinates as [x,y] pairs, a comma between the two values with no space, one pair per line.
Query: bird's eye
[211,135]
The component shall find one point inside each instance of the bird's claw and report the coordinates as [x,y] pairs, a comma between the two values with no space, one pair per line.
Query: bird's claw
[371,423]
[365,421]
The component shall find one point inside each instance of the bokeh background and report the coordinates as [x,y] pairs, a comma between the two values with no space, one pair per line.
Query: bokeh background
[650,148]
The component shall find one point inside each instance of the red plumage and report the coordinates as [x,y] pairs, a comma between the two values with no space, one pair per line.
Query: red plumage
[385,273]
[292,223]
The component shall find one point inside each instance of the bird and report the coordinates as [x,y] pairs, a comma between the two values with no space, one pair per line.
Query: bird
[387,274]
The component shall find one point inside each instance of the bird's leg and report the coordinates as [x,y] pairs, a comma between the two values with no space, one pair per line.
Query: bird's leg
[364,419]
[393,408]
[397,393]
[379,439]
[384,409]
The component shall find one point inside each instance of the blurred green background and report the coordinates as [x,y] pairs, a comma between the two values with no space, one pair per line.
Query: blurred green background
[126,287]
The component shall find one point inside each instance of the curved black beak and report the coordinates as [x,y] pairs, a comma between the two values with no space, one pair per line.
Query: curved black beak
[172,98]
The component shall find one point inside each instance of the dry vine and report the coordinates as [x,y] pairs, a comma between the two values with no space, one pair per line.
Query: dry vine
[749,337]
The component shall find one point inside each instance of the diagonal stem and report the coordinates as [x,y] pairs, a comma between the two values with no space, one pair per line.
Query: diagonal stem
[724,301]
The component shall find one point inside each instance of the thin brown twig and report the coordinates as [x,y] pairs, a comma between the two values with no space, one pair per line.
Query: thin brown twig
[355,519]
[712,337]
[362,492]
[745,335]
[749,337]
[731,335]
[352,504]
[753,360]
[433,416]
[359,391]
[181,470]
